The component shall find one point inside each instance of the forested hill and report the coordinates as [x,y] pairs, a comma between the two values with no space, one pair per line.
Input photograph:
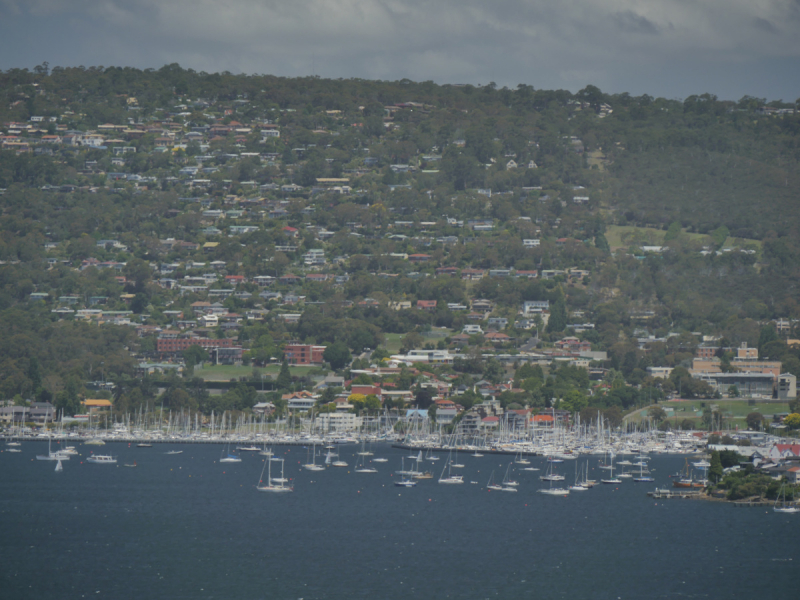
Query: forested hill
[703,162]
[137,194]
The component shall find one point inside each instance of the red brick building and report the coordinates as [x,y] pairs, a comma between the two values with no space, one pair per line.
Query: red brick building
[304,354]
[171,345]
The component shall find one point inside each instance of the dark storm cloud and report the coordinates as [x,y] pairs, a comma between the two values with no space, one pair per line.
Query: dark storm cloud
[764,25]
[671,48]
[630,21]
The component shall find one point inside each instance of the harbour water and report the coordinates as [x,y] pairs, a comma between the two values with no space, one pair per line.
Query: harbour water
[186,526]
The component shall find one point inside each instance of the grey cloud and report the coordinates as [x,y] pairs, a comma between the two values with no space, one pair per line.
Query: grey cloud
[671,48]
[630,21]
[764,25]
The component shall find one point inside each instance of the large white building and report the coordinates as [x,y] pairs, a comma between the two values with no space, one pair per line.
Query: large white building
[338,421]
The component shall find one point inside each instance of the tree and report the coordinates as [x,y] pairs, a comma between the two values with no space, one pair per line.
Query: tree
[362,379]
[613,416]
[601,243]
[767,335]
[358,401]
[67,400]
[194,355]
[372,403]
[338,355]
[558,317]
[494,371]
[657,413]
[574,401]
[284,380]
[792,421]
[754,420]
[379,354]
[413,339]
[673,232]
[715,470]
[432,412]
[424,398]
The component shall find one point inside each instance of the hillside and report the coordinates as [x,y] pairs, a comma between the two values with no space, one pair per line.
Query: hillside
[256,211]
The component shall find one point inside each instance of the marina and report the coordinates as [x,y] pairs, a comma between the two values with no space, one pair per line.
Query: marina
[187,525]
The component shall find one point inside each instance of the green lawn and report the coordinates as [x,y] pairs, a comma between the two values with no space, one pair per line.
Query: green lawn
[437,333]
[392,342]
[228,372]
[733,410]
[620,236]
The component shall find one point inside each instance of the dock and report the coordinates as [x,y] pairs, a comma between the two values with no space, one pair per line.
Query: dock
[677,493]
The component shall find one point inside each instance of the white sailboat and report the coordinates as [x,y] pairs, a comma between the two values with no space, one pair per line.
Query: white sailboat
[580,480]
[364,451]
[454,463]
[276,485]
[361,465]
[313,466]
[780,505]
[230,457]
[450,479]
[643,477]
[551,475]
[491,485]
[405,480]
[507,481]
[59,467]
[338,462]
[611,478]
[57,455]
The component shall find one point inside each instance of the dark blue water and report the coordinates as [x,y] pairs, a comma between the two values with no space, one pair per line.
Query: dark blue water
[185,526]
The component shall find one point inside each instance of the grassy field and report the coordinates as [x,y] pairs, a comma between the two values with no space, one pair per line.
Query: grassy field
[228,372]
[596,157]
[392,342]
[734,411]
[622,236]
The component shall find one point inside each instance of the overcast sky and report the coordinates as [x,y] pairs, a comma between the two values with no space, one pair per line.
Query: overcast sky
[670,48]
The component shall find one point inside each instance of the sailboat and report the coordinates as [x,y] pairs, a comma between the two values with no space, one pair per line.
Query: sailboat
[491,485]
[455,464]
[57,455]
[430,456]
[361,465]
[507,481]
[230,458]
[783,508]
[364,451]
[405,480]
[59,467]
[686,480]
[313,466]
[450,477]
[276,485]
[580,480]
[520,460]
[611,478]
[12,446]
[642,476]
[551,476]
[337,462]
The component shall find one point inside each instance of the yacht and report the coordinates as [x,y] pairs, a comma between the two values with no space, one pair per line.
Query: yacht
[274,485]
[101,459]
